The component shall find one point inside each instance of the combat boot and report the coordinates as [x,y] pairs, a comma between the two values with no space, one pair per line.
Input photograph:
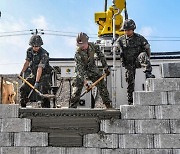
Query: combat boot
[108,105]
[149,75]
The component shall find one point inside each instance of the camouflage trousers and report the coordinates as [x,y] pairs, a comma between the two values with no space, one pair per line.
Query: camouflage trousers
[78,84]
[142,61]
[44,87]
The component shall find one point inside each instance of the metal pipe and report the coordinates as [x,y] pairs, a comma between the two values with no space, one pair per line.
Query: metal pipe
[105,6]
[114,56]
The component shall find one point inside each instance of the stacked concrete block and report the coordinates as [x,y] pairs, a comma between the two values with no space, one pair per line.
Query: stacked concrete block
[15,150]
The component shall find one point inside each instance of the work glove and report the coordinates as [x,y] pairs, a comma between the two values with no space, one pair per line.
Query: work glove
[36,85]
[106,70]
[21,74]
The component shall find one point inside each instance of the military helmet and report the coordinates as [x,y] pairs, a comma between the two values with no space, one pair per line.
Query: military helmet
[129,24]
[35,40]
[82,38]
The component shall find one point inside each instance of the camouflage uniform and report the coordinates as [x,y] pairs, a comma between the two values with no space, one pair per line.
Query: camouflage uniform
[87,69]
[135,54]
[36,59]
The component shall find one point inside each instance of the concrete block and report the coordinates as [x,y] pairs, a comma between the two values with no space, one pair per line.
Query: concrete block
[167,111]
[15,125]
[15,150]
[167,141]
[154,151]
[174,98]
[6,139]
[137,112]
[118,126]
[175,126]
[31,139]
[9,110]
[163,84]
[176,151]
[83,150]
[171,70]
[118,151]
[48,150]
[152,126]
[138,141]
[101,141]
[150,98]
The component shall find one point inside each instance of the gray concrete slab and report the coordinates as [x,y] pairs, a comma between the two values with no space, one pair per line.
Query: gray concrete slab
[150,98]
[118,126]
[136,141]
[171,70]
[6,139]
[174,98]
[48,150]
[101,141]
[9,110]
[15,150]
[167,111]
[175,126]
[118,151]
[152,126]
[30,139]
[83,150]
[163,84]
[167,141]
[15,125]
[137,112]
[155,151]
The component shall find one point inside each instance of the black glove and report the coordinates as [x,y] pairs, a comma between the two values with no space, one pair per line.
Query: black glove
[36,85]
[106,70]
[21,74]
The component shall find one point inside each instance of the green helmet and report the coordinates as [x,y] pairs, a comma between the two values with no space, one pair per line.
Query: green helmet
[82,38]
[35,40]
[129,24]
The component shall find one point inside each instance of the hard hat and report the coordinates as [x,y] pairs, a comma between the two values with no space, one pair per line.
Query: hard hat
[35,40]
[129,24]
[82,38]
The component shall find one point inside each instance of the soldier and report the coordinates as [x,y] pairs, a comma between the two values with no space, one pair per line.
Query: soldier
[87,69]
[37,59]
[135,54]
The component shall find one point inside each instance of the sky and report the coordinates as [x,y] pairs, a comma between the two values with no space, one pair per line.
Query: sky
[154,19]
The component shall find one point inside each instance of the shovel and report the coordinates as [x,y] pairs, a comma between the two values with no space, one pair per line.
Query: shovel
[37,91]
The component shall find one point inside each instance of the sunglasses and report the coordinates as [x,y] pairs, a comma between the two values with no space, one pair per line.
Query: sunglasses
[36,46]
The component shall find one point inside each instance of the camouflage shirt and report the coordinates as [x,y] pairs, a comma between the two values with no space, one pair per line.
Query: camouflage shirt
[132,47]
[38,59]
[85,59]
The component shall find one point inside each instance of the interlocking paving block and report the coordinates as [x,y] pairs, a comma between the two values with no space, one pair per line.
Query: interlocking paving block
[6,139]
[171,70]
[155,151]
[30,139]
[48,150]
[175,126]
[150,98]
[101,141]
[152,126]
[118,126]
[174,98]
[167,111]
[83,150]
[118,151]
[137,112]
[9,110]
[167,141]
[15,150]
[163,84]
[139,141]
[15,125]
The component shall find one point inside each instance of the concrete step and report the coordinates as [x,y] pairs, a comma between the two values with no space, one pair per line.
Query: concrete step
[137,112]
[136,141]
[150,98]
[101,141]
[170,70]
[15,150]
[155,151]
[9,111]
[163,84]
[15,125]
[119,151]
